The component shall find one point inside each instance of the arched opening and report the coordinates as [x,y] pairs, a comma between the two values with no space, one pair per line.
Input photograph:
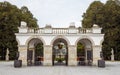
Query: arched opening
[60,52]
[35,52]
[84,52]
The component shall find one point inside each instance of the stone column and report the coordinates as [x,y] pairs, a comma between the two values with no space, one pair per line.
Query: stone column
[96,54]
[47,55]
[72,55]
[7,55]
[112,56]
[23,54]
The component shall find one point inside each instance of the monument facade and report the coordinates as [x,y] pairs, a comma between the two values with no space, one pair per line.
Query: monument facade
[58,45]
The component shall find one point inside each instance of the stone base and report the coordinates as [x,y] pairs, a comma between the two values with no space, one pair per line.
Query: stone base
[17,63]
[101,63]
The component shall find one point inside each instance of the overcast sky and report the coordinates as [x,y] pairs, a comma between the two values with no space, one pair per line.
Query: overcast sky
[58,13]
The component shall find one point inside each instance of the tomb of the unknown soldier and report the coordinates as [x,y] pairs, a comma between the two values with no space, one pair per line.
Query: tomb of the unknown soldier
[58,46]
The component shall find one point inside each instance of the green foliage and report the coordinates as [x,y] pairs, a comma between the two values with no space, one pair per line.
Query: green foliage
[107,17]
[39,49]
[10,18]
[60,59]
[89,18]
[80,49]
[28,17]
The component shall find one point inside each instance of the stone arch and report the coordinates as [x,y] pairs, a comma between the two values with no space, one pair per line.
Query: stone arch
[88,38]
[56,51]
[87,54]
[86,42]
[33,56]
[33,37]
[60,37]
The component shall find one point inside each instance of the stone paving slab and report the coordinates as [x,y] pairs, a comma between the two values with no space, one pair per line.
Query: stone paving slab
[112,68]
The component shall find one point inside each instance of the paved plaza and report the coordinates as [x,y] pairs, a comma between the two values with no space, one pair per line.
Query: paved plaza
[112,68]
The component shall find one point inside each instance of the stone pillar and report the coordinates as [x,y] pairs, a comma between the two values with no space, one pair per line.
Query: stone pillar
[7,55]
[23,54]
[112,56]
[47,55]
[72,55]
[96,54]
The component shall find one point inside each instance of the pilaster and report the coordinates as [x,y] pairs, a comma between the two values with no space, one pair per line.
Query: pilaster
[23,54]
[72,55]
[47,55]
[96,54]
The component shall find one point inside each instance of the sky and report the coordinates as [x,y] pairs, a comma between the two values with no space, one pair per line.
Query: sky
[57,13]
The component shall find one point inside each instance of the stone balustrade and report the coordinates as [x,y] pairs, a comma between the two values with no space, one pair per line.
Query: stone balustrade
[60,31]
[48,29]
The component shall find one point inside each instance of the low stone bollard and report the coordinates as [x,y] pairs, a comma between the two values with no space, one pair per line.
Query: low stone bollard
[17,63]
[101,63]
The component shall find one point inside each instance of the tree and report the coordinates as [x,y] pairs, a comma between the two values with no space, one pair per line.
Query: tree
[10,18]
[106,17]
[111,25]
[89,18]
[28,17]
